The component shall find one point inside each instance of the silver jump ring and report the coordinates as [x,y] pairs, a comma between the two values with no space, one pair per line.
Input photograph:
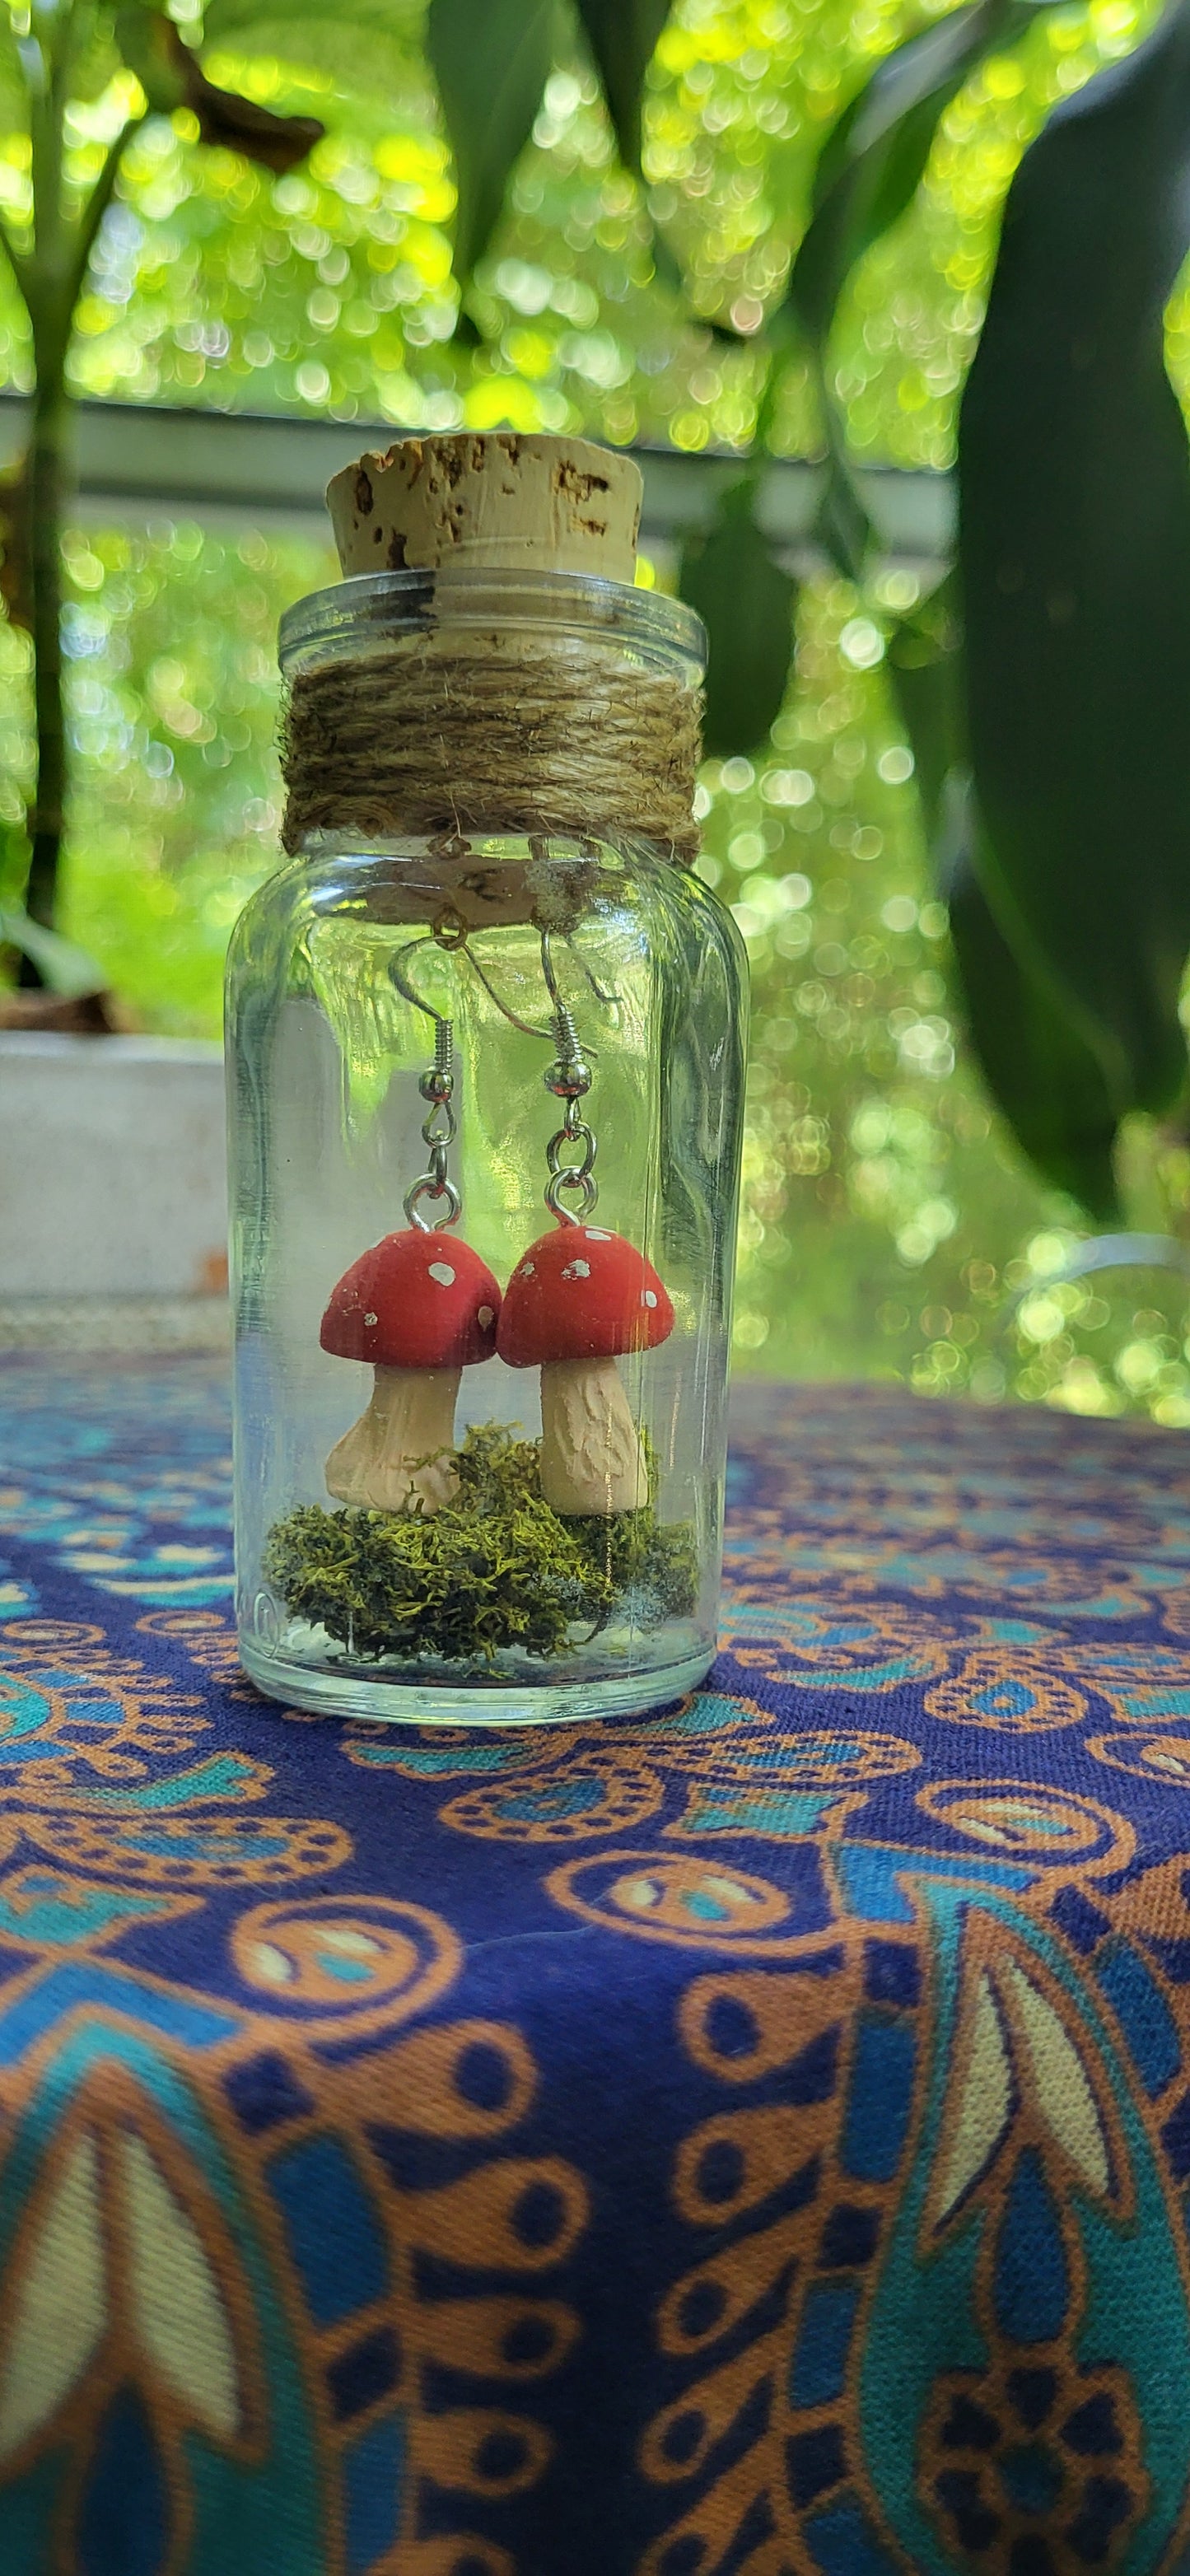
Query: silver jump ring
[578,1135]
[440,1129]
[571,1180]
[429,1187]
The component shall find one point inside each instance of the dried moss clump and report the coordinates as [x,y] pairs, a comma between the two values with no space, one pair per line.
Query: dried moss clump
[496,1568]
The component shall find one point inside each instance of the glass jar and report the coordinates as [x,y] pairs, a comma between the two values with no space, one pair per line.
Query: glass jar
[485,1103]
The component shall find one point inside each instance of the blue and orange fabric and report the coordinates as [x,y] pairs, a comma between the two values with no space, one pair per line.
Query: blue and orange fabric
[751,2141]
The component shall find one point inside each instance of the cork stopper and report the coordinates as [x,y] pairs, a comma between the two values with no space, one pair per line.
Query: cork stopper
[494,501]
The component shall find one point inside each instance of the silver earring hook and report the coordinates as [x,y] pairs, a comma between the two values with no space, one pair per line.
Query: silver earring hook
[398,977]
[437,1088]
[569,1078]
[527,1027]
[463,948]
[505,1009]
[548,970]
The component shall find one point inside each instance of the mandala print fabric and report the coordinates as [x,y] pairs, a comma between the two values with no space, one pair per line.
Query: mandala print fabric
[747,2141]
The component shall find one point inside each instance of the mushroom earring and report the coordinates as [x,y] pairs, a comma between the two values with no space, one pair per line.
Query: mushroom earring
[421,1307]
[578,1299]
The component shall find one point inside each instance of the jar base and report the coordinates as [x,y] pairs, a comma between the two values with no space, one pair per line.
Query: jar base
[408,1701]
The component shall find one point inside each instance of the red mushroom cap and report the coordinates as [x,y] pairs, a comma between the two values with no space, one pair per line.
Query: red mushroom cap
[581,1294]
[416,1300]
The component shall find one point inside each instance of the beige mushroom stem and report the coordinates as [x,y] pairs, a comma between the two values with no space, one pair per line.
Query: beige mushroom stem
[591,1456]
[400,1456]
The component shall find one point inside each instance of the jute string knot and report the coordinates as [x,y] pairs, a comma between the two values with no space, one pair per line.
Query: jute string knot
[517,738]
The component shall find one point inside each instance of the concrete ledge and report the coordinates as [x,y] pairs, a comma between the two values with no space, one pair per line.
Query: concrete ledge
[112,1168]
[223,468]
[129,1326]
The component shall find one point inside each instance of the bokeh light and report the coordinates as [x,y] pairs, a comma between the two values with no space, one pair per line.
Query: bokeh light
[330,289]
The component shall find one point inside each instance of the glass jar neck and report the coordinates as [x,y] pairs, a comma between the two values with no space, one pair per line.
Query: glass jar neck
[489,702]
[372,611]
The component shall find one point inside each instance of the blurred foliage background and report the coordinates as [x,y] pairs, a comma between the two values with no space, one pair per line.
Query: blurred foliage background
[889,1228]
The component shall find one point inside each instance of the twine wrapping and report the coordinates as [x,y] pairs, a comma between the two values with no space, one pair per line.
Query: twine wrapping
[424,739]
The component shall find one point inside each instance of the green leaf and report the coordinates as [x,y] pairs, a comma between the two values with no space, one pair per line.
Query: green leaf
[491,60]
[866,176]
[841,524]
[1040,1072]
[370,47]
[148,42]
[227,19]
[746,602]
[62,967]
[1075,552]
[875,155]
[171,76]
[667,268]
[14,94]
[622,35]
[1042,1075]
[925,666]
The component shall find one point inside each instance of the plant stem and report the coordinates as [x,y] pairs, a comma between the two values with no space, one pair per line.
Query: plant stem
[67,255]
[43,500]
[766,408]
[16,260]
[92,215]
[51,280]
[50,317]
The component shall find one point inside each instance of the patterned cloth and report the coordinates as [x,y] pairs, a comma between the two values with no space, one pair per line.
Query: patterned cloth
[749,2141]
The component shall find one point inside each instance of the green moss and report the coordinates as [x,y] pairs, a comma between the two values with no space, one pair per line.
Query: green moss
[496,1568]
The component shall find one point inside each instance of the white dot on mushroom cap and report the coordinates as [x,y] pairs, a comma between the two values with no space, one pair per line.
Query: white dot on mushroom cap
[371,1319]
[528,1270]
[442,1272]
[647,1297]
[596,1234]
[577,1270]
[484,1317]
